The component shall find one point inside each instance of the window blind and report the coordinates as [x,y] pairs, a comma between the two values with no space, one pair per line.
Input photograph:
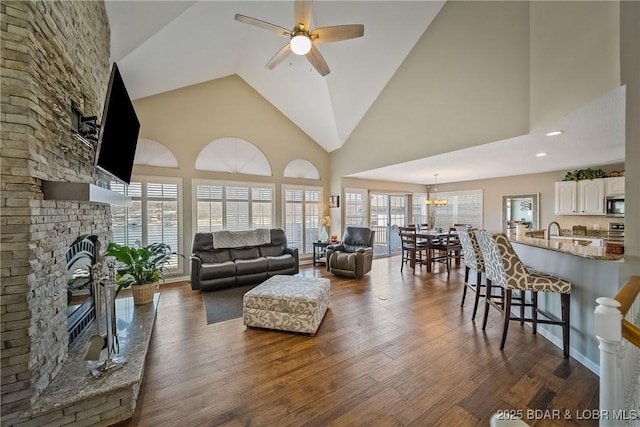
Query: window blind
[233,206]
[355,207]
[463,207]
[419,208]
[302,215]
[152,217]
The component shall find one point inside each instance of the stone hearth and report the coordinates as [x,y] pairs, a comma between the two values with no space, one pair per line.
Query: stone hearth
[75,397]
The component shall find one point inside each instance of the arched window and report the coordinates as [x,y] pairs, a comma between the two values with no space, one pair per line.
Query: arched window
[233,155]
[300,168]
[153,153]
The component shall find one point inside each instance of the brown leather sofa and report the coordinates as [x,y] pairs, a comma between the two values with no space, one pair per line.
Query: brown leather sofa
[354,256]
[216,265]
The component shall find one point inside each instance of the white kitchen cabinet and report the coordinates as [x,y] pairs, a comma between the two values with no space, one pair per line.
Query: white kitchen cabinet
[614,186]
[591,197]
[566,198]
[580,198]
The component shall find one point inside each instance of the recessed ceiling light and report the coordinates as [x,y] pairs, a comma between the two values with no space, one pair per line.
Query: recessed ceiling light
[555,132]
[541,154]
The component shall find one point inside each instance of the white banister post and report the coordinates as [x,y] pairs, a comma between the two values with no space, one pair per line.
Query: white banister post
[608,330]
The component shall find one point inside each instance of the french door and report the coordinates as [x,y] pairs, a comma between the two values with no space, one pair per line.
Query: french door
[387,213]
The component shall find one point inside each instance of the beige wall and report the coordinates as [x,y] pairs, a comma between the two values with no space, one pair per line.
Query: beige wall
[486,71]
[542,183]
[574,54]
[186,120]
[466,82]
[494,189]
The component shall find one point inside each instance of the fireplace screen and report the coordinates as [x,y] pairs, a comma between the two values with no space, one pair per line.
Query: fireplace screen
[81,256]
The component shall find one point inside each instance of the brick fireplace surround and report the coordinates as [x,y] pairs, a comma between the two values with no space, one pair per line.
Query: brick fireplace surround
[53,54]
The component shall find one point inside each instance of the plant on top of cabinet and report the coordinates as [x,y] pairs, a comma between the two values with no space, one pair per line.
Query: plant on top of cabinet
[580,174]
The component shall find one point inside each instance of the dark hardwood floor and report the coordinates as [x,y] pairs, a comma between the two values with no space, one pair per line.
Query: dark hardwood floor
[393,350]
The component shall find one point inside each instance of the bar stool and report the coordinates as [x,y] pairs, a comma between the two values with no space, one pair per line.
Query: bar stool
[505,270]
[473,260]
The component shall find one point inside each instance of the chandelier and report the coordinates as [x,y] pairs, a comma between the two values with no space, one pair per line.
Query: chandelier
[435,201]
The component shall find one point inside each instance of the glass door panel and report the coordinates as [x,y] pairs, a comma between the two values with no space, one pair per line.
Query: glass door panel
[397,218]
[387,213]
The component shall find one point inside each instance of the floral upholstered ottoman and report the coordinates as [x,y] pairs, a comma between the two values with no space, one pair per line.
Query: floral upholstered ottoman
[287,303]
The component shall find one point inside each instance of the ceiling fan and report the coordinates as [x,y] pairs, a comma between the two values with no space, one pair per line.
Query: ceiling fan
[302,40]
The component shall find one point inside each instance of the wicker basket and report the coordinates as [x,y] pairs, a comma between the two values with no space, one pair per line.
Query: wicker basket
[143,294]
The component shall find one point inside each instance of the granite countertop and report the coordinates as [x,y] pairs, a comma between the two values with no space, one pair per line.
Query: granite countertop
[567,247]
[589,233]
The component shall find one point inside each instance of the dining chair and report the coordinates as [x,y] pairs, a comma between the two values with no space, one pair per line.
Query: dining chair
[411,249]
[446,249]
[422,228]
[473,260]
[454,245]
[505,270]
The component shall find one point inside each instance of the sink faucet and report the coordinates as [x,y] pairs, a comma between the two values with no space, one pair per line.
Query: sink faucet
[549,229]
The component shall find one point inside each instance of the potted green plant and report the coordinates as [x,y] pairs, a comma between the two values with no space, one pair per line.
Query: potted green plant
[140,267]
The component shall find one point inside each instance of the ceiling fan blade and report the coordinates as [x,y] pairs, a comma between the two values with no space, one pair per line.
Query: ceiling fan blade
[276,29]
[279,57]
[302,13]
[337,33]
[318,62]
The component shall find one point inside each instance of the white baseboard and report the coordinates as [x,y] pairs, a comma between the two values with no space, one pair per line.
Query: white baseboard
[176,279]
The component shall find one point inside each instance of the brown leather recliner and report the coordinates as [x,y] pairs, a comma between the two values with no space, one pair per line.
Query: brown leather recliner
[354,256]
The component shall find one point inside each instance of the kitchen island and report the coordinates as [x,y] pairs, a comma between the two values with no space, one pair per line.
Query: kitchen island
[566,245]
[593,273]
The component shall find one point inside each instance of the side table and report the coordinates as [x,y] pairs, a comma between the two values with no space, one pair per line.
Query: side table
[319,251]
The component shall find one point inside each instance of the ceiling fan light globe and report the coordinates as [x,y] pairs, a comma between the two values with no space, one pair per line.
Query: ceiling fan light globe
[300,44]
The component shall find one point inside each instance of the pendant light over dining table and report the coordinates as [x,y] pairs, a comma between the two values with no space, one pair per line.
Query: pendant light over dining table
[434,201]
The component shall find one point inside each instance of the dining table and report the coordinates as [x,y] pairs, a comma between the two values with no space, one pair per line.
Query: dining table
[429,237]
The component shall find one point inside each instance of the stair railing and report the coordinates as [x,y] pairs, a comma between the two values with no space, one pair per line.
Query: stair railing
[617,327]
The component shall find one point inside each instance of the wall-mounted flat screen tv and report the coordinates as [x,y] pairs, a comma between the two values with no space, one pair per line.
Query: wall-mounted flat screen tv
[118,138]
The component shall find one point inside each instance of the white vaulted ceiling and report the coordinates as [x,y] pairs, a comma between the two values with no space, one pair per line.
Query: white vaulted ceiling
[160,46]
[165,45]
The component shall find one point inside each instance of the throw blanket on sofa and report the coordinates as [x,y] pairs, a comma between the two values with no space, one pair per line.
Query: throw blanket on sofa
[236,239]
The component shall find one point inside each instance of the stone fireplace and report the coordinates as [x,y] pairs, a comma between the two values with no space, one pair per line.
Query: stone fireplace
[81,258]
[53,54]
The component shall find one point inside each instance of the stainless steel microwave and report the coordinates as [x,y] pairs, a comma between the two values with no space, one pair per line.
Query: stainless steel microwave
[614,206]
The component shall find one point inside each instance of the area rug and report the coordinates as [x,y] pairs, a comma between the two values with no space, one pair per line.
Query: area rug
[224,304]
